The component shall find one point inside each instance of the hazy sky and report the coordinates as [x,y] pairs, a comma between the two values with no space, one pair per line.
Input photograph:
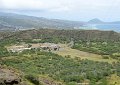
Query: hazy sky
[80,10]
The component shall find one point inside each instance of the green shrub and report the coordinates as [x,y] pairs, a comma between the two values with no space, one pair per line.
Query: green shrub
[32,79]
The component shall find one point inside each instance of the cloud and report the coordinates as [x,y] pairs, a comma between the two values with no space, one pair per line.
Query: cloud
[83,8]
[32,5]
[21,4]
[55,5]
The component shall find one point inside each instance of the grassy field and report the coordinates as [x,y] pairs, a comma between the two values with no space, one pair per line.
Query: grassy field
[114,80]
[65,51]
[35,62]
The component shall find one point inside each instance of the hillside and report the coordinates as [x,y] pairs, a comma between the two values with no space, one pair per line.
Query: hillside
[95,21]
[15,21]
[85,35]
[52,35]
[43,67]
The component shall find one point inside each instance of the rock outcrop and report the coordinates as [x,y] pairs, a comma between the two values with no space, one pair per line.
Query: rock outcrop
[9,77]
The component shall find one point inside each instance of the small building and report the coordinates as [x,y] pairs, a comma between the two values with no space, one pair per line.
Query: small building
[42,46]
[55,47]
[50,46]
[46,46]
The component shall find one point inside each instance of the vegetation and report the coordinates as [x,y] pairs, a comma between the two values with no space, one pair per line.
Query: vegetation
[59,68]
[103,48]
[34,63]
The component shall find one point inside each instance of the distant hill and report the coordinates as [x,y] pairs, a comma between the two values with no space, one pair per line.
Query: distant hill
[61,35]
[15,22]
[98,21]
[95,21]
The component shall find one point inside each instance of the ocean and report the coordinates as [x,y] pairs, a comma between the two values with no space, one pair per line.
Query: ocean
[115,27]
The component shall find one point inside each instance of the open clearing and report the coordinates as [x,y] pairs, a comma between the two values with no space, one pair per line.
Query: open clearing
[73,53]
[65,51]
[114,80]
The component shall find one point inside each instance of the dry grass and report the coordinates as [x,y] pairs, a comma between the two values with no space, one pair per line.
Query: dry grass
[114,80]
[65,50]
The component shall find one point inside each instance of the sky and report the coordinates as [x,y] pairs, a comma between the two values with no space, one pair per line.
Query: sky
[77,10]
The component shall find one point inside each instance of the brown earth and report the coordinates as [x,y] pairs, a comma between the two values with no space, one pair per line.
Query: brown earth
[9,77]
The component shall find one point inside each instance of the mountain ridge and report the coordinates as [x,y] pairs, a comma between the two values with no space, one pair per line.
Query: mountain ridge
[11,21]
[95,20]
